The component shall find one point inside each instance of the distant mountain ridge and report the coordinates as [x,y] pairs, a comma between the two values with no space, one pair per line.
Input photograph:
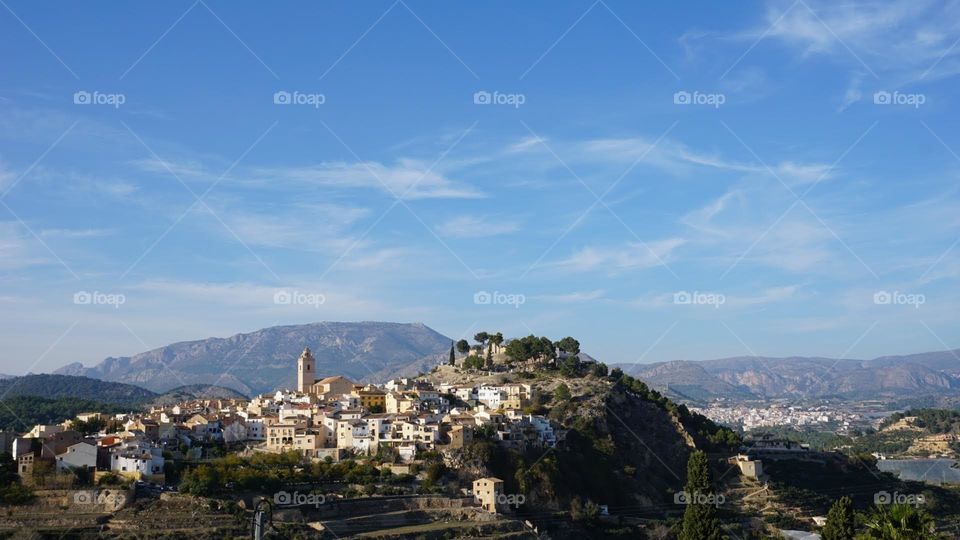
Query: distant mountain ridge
[65,386]
[56,386]
[265,360]
[195,391]
[45,398]
[745,377]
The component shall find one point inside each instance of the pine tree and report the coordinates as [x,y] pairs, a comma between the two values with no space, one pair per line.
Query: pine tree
[700,519]
[840,521]
[489,358]
[453,356]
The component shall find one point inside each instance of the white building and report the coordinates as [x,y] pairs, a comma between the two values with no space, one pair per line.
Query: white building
[80,455]
[491,396]
[256,431]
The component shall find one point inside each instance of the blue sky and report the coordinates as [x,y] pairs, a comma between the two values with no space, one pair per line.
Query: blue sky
[675,181]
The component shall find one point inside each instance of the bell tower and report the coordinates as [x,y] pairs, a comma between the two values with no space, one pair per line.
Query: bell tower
[306,371]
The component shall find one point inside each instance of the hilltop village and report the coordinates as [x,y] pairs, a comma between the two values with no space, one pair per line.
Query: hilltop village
[520,438]
[325,418]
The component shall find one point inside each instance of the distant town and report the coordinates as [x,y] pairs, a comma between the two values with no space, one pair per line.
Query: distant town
[839,417]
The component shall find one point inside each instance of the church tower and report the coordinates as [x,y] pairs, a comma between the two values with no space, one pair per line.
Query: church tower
[306,371]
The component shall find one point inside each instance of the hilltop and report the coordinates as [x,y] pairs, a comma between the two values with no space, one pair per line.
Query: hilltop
[622,444]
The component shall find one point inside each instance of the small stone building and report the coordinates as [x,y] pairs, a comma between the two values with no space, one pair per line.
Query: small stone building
[487,491]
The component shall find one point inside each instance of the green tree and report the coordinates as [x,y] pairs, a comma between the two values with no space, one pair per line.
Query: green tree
[203,480]
[114,426]
[473,362]
[481,338]
[569,345]
[529,348]
[8,469]
[700,518]
[600,370]
[497,339]
[94,425]
[587,511]
[546,350]
[463,347]
[453,354]
[841,524]
[899,522]
[517,350]
[562,392]
[570,366]
[489,358]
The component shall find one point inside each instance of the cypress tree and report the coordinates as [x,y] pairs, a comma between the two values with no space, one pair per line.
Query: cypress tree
[453,356]
[840,521]
[700,518]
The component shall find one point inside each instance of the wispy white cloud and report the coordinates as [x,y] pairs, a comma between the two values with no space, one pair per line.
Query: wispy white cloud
[410,178]
[75,234]
[185,169]
[375,258]
[765,296]
[796,241]
[762,297]
[907,39]
[17,250]
[471,226]
[320,227]
[525,144]
[573,298]
[309,301]
[678,158]
[613,259]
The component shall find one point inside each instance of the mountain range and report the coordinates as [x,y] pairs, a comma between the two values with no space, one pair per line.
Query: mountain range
[265,360]
[748,377]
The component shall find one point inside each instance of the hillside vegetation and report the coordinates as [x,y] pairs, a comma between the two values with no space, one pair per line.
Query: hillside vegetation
[64,386]
[623,445]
